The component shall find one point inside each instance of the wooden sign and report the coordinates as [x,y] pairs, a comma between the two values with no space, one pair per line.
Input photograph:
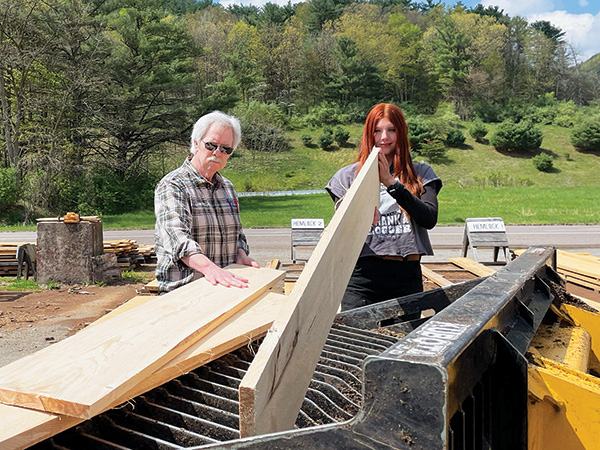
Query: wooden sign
[485,232]
[308,223]
[305,234]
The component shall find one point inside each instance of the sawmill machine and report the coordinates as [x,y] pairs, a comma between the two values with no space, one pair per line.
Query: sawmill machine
[472,376]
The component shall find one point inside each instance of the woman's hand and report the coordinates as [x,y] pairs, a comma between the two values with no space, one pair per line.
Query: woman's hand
[385,176]
[376,216]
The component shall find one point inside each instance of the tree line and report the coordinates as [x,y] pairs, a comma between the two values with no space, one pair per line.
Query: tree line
[92,90]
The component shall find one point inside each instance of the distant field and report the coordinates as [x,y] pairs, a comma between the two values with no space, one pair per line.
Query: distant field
[472,165]
[479,181]
[543,205]
[516,205]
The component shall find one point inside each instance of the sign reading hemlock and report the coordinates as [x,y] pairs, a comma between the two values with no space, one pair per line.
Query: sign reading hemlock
[485,232]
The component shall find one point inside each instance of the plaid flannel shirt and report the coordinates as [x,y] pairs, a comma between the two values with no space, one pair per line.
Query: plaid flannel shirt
[193,216]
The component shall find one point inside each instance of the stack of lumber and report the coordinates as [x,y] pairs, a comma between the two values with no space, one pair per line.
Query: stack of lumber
[126,251]
[582,269]
[8,258]
[148,253]
[472,266]
[133,349]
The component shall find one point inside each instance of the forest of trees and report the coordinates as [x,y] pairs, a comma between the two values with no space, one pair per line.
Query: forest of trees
[90,90]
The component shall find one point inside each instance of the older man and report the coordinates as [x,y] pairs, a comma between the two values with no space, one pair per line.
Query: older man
[198,228]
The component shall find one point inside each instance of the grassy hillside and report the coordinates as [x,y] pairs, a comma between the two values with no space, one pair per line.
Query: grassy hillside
[479,181]
[473,165]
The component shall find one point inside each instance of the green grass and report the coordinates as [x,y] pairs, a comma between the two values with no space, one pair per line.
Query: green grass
[12,284]
[300,168]
[129,221]
[521,205]
[475,163]
[131,276]
[516,205]
[479,181]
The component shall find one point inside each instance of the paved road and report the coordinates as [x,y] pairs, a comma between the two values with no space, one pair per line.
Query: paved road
[270,243]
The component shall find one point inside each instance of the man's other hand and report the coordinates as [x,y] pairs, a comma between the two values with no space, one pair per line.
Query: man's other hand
[243,258]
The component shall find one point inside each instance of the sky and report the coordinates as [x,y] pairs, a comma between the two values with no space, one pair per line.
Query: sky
[579,19]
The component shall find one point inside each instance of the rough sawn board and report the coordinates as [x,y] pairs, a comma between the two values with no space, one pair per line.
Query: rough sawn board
[21,427]
[274,387]
[83,374]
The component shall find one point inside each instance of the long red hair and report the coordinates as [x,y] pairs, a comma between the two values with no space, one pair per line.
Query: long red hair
[403,167]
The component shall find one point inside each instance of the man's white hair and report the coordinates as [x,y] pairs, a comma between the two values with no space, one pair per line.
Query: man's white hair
[218,118]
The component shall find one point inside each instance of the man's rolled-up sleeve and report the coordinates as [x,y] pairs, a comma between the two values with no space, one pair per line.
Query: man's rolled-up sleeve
[243,243]
[174,221]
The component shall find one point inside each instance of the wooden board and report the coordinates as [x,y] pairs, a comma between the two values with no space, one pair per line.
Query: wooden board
[579,279]
[274,387]
[434,277]
[83,374]
[472,266]
[583,265]
[21,428]
[129,304]
[582,269]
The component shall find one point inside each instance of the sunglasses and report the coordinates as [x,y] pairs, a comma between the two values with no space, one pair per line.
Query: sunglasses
[211,147]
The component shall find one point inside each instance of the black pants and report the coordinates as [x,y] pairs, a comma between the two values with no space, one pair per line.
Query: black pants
[376,279]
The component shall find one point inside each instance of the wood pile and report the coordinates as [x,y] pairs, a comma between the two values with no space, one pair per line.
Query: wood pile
[131,350]
[129,253]
[8,258]
[147,251]
[582,269]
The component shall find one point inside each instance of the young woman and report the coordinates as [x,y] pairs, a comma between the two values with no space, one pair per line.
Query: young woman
[389,263]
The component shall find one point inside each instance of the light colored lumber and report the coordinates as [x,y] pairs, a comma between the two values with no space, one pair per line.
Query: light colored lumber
[247,326]
[273,264]
[129,304]
[21,427]
[575,263]
[83,374]
[474,267]
[275,384]
[434,277]
[584,267]
[580,280]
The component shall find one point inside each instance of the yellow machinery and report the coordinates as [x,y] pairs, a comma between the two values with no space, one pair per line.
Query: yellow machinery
[564,389]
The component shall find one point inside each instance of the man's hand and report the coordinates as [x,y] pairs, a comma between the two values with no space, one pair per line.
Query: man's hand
[243,258]
[213,273]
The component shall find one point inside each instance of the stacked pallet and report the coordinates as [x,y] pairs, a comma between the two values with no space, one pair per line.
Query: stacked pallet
[8,258]
[126,251]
